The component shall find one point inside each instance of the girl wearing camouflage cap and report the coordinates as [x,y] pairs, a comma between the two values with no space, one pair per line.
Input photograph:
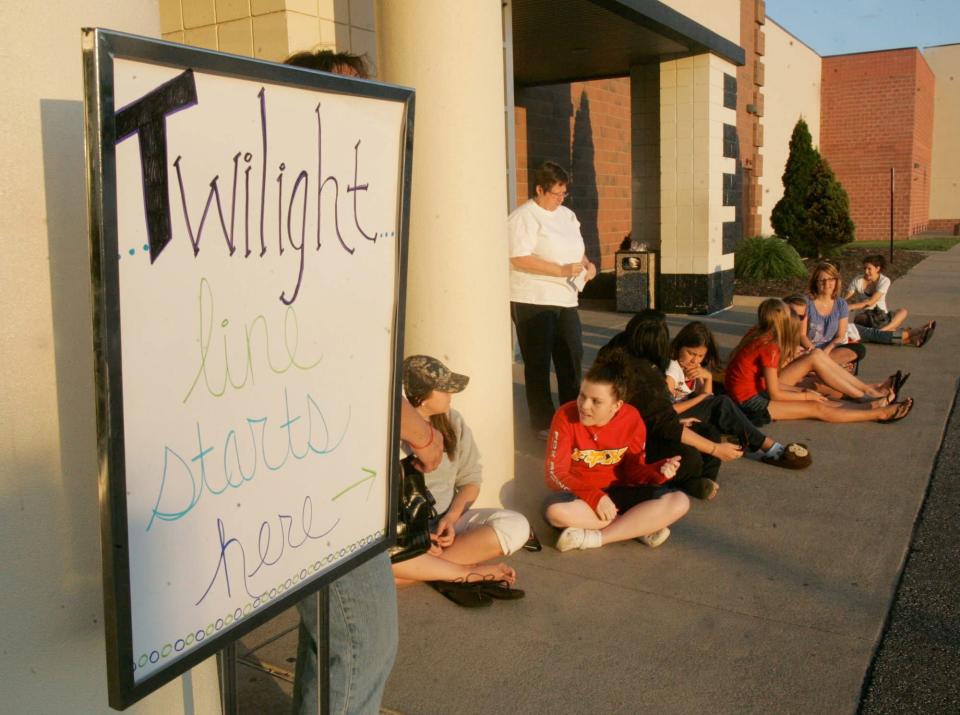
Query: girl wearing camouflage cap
[464,539]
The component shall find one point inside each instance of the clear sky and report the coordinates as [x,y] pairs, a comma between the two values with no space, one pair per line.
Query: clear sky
[833,27]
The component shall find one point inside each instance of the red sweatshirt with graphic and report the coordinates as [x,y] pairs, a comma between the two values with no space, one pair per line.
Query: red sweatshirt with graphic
[587,460]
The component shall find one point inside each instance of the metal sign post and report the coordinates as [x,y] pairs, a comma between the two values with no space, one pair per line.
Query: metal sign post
[892,182]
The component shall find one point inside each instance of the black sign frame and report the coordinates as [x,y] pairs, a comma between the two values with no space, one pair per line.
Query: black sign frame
[100,47]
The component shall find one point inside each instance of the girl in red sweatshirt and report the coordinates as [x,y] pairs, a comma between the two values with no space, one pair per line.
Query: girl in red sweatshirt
[595,452]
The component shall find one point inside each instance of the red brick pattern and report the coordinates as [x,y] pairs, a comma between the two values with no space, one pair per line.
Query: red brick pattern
[748,125]
[876,112]
[944,225]
[585,127]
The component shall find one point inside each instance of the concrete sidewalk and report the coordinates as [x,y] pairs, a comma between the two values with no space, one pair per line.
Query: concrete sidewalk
[770,599]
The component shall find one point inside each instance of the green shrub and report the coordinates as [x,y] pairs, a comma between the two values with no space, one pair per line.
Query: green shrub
[761,258]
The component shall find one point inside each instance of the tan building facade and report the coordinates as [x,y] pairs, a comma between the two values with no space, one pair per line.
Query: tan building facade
[792,92]
[944,61]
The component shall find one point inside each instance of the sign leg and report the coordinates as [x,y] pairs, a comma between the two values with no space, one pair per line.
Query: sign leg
[227,665]
[323,651]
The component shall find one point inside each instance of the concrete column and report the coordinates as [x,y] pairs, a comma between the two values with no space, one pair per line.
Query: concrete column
[699,185]
[458,280]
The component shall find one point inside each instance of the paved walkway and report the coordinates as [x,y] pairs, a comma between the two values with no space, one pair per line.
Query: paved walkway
[770,599]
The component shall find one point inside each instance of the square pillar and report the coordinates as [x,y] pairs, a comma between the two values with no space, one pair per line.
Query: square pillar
[700,184]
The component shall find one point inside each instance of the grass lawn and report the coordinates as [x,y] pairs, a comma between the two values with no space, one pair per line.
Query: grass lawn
[943,243]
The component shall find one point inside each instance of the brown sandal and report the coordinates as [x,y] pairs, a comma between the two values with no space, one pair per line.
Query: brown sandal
[903,409]
[794,456]
[926,333]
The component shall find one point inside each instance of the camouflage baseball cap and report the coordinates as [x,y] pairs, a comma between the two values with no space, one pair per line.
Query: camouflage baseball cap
[422,374]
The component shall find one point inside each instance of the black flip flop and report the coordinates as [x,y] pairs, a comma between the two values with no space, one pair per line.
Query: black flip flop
[927,334]
[894,388]
[460,594]
[533,543]
[901,381]
[896,416]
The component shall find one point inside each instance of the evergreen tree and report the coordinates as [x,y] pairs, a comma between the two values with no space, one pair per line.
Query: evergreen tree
[787,217]
[827,209]
[814,213]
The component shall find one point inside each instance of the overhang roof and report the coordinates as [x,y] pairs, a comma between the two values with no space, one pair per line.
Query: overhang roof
[571,40]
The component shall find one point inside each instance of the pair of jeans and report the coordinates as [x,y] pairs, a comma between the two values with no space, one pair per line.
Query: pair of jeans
[875,335]
[722,413]
[363,640]
[548,332]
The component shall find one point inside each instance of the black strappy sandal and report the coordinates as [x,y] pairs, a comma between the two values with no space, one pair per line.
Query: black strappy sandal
[496,588]
[901,381]
[461,594]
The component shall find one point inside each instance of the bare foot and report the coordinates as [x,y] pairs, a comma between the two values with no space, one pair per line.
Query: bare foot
[495,571]
[896,412]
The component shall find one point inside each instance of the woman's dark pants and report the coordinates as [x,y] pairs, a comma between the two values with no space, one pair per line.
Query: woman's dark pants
[548,332]
[695,467]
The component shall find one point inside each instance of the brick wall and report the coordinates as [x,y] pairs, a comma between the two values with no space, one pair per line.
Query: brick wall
[876,113]
[584,127]
[750,82]
[944,225]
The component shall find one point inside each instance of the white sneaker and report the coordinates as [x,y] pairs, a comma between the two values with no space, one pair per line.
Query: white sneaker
[656,538]
[576,538]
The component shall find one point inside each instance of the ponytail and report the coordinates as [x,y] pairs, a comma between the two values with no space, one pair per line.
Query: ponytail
[613,369]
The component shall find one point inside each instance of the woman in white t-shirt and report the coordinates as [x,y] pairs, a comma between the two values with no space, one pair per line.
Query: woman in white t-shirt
[875,322]
[548,269]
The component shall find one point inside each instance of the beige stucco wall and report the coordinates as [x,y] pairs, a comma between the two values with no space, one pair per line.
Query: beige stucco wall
[791,91]
[271,29]
[721,16]
[945,165]
[52,659]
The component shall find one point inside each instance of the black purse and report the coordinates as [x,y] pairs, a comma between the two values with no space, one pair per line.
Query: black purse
[415,509]
[874,317]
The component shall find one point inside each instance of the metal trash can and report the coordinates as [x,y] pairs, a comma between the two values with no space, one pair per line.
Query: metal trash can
[636,280]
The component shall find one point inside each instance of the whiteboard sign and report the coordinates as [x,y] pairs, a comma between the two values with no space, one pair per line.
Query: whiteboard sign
[248,250]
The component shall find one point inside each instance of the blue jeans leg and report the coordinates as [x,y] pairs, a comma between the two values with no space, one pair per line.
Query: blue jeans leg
[363,640]
[886,337]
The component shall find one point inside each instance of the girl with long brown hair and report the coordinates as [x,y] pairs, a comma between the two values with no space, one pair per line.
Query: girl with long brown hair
[825,324]
[465,540]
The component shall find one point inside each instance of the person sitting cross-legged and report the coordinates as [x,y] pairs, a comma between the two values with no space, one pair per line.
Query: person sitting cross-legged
[596,455]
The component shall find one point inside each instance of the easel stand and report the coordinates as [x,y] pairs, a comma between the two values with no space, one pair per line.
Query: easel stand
[227,664]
